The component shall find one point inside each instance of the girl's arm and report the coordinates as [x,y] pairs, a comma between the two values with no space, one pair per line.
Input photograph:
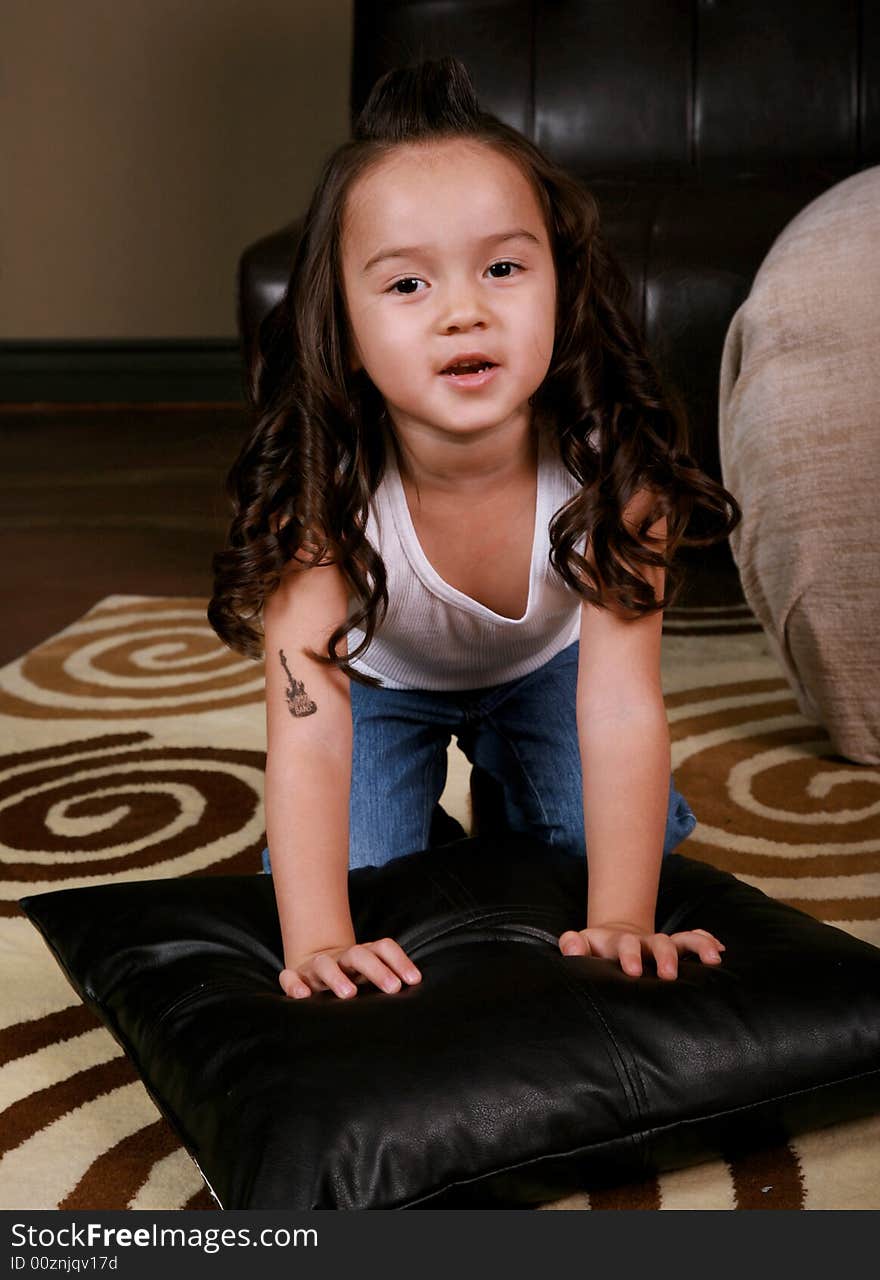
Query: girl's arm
[308,793]
[308,761]
[625,763]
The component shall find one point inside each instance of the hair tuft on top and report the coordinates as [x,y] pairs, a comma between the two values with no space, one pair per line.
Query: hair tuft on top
[419,101]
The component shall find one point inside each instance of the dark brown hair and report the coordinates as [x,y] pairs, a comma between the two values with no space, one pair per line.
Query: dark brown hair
[303,479]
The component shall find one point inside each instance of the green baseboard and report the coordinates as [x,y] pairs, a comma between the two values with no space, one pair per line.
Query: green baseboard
[121,370]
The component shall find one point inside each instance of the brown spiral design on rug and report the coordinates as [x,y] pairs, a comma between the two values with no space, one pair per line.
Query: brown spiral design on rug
[775,805]
[131,658]
[121,1174]
[122,805]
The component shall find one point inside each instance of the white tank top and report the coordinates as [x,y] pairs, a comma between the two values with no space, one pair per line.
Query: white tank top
[436,637]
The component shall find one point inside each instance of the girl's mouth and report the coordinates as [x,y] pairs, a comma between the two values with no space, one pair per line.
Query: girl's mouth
[476,378]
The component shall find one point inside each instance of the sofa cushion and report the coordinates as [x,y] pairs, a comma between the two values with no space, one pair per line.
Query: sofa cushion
[799,421]
[511,1075]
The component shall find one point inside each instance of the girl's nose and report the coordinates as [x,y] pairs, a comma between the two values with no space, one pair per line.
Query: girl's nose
[464,305]
[463,321]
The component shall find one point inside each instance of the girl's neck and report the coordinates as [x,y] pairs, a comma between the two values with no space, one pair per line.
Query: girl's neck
[468,467]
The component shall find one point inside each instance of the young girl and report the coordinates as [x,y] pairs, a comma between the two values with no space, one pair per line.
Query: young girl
[463,464]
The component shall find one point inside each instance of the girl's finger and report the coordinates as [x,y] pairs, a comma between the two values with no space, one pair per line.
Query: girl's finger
[630,950]
[365,960]
[703,946]
[292,985]
[666,955]
[572,943]
[396,958]
[327,969]
[718,944]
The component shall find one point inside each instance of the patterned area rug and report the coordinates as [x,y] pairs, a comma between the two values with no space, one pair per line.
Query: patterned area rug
[133,746]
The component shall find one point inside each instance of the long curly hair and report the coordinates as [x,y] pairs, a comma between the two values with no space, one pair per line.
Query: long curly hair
[302,482]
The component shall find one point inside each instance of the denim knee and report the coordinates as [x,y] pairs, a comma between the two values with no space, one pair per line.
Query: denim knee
[680,820]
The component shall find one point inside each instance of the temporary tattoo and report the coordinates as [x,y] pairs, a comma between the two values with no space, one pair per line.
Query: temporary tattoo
[298,700]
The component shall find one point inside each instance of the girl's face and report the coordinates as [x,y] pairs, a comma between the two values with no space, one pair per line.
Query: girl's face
[431,270]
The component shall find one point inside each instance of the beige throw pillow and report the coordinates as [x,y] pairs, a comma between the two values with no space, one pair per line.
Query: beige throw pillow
[799,422]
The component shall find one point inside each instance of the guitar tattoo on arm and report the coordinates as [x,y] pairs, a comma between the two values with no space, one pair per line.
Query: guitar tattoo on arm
[298,701]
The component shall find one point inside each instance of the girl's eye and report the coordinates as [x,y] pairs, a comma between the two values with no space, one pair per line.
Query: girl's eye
[405,280]
[506,264]
[416,280]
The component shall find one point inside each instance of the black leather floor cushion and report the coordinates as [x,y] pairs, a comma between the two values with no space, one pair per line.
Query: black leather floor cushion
[511,1075]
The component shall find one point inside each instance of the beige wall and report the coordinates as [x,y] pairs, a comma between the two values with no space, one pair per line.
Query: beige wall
[145,143]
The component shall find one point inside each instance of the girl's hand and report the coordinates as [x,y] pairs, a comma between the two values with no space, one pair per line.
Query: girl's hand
[333,968]
[620,938]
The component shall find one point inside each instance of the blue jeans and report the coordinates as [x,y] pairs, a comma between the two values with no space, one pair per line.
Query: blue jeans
[523,732]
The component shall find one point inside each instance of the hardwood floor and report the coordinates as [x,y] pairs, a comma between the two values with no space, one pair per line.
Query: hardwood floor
[100,500]
[97,501]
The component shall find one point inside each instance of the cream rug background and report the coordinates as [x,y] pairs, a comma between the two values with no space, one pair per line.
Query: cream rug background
[133,746]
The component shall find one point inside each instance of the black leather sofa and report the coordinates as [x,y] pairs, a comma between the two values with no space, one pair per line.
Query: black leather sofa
[701,127]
